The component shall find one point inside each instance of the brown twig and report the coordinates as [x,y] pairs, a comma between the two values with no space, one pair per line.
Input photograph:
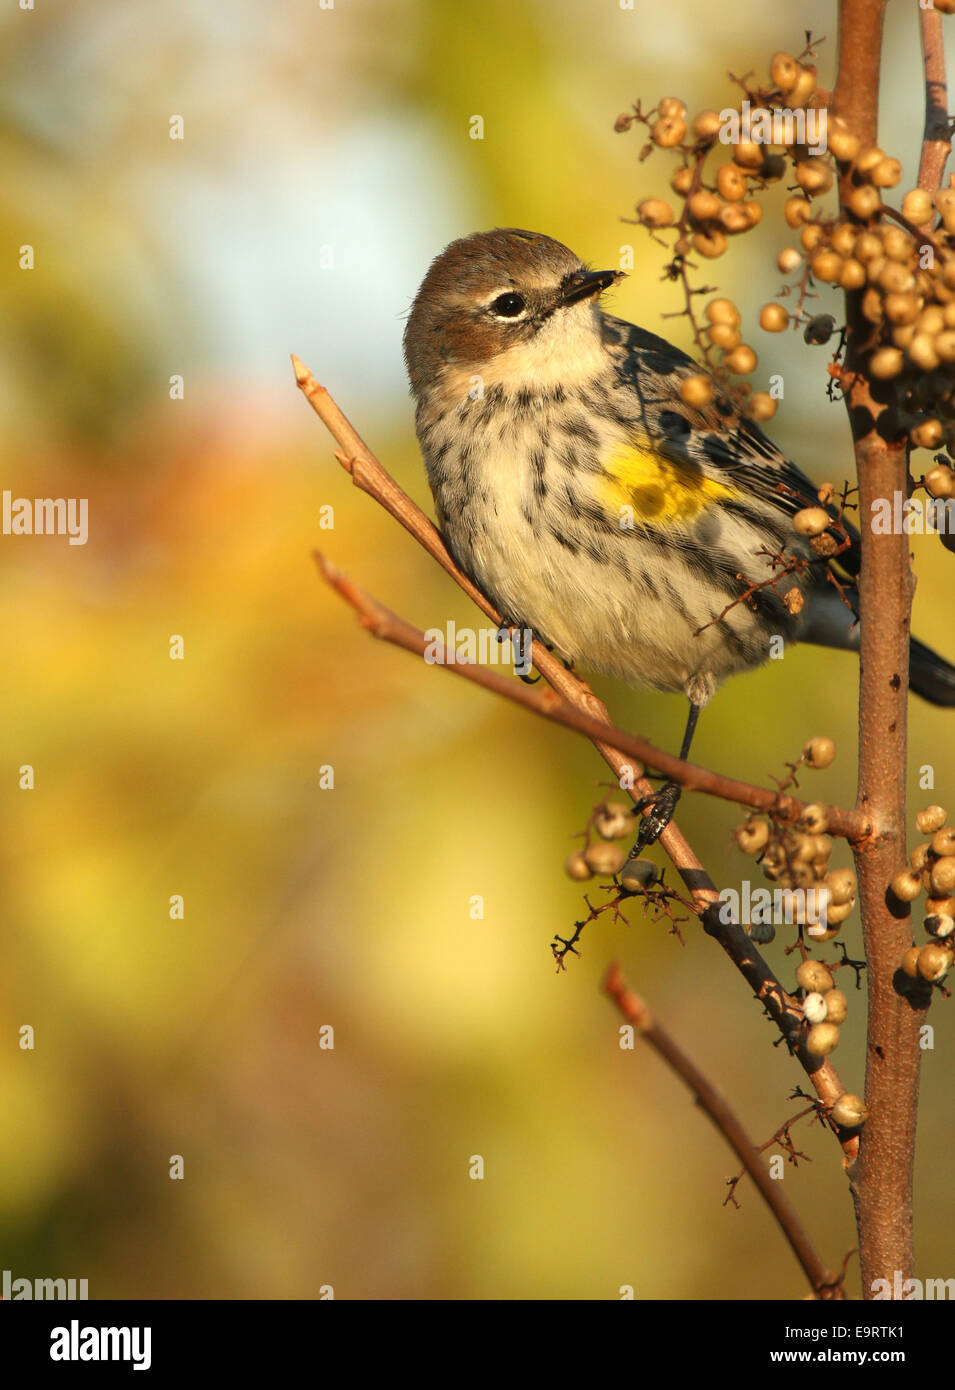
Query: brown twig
[367,473]
[937,139]
[782,1137]
[824,1283]
[382,623]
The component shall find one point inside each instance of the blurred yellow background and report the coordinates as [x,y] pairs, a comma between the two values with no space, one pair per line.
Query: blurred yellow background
[325,160]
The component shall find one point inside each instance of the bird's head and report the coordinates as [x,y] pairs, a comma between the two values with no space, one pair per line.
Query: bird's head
[510,304]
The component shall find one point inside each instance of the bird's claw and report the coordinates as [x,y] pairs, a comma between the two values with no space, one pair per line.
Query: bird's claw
[657,810]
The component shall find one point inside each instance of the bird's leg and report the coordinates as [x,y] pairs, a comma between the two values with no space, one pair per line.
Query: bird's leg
[505,633]
[658,808]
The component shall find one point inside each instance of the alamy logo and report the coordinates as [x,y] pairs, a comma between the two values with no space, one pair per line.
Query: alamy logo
[778,127]
[899,515]
[46,516]
[12,1289]
[783,906]
[905,1289]
[489,646]
[75,1343]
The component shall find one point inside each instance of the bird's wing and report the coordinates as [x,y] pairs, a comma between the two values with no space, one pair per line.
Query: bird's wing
[715,438]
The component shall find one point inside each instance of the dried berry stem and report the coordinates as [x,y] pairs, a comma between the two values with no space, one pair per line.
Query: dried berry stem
[824,1283]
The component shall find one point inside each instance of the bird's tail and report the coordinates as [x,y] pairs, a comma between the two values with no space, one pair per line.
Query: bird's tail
[832,623]
[930,675]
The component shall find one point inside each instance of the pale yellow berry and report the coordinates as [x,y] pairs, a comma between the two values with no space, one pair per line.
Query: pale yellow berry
[811,521]
[748,155]
[886,173]
[752,836]
[921,351]
[837,913]
[704,206]
[886,363]
[910,961]
[864,201]
[710,244]
[940,481]
[945,345]
[934,963]
[813,975]
[784,71]
[827,266]
[668,131]
[814,176]
[741,361]
[852,275]
[906,886]
[822,1039]
[844,238]
[837,1006]
[577,867]
[942,876]
[804,87]
[820,752]
[654,212]
[773,318]
[682,181]
[723,335]
[868,247]
[843,144]
[842,885]
[943,841]
[917,206]
[849,1112]
[901,308]
[697,390]
[707,125]
[722,311]
[731,182]
[763,406]
[797,211]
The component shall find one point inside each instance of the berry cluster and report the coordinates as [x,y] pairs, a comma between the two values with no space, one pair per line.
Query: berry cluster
[932,868]
[899,262]
[824,1008]
[612,821]
[797,856]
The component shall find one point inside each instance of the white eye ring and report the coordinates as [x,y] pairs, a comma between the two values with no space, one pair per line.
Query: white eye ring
[508,305]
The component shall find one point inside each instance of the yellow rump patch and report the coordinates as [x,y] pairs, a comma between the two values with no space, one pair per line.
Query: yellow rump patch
[659,489]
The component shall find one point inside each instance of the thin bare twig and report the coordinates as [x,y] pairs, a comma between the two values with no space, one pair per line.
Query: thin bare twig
[937,139]
[824,1283]
[382,623]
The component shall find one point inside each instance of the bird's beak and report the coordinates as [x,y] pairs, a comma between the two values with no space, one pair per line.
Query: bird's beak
[584,284]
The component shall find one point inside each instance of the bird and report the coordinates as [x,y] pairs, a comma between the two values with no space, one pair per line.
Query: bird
[573,482]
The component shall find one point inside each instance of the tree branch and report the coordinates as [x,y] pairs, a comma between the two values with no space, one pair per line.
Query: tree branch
[936,142]
[389,627]
[824,1283]
[882,1177]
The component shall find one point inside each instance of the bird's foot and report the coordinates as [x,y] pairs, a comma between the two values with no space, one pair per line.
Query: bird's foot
[657,810]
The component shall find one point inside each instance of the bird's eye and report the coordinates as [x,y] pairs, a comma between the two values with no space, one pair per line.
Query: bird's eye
[508,306]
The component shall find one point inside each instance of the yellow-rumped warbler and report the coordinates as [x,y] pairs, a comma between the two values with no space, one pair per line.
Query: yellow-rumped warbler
[590,502]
